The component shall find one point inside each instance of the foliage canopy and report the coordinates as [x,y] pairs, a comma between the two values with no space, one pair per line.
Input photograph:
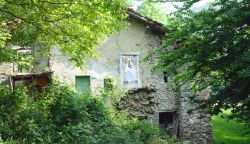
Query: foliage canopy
[211,47]
[153,10]
[76,26]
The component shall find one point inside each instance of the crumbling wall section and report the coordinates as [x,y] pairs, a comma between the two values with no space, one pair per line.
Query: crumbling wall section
[195,125]
[141,103]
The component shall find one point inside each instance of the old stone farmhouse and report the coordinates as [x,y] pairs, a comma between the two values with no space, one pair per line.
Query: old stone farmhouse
[121,59]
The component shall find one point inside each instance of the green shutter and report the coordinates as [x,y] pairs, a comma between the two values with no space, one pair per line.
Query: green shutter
[82,84]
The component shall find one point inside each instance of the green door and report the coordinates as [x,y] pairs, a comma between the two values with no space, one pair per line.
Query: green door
[82,84]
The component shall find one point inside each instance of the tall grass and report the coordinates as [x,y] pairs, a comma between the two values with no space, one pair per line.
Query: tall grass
[229,131]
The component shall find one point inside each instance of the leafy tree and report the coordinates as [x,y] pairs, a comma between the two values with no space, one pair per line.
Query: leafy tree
[76,26]
[153,10]
[211,47]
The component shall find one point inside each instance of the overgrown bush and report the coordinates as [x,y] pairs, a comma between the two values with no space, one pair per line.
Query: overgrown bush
[60,115]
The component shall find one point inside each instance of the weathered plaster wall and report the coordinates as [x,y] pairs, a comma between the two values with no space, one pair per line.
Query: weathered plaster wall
[41,63]
[194,127]
[5,70]
[135,39]
[145,104]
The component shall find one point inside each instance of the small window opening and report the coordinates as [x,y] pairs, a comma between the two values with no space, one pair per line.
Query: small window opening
[167,122]
[108,84]
[165,77]
[22,68]
[82,84]
[166,118]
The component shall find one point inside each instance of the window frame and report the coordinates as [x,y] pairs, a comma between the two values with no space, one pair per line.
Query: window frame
[89,88]
[137,55]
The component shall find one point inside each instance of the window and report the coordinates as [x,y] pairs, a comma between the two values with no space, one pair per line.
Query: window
[166,118]
[129,70]
[168,122]
[22,68]
[108,84]
[82,84]
[165,77]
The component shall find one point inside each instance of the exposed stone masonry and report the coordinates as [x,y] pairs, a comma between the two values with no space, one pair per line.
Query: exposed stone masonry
[194,123]
[141,103]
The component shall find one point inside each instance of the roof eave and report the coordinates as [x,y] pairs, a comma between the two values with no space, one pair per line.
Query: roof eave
[155,27]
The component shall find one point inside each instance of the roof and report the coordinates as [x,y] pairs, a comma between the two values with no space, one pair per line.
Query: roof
[155,27]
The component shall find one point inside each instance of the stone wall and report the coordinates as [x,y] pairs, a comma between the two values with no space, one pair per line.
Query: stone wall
[5,70]
[135,39]
[195,125]
[155,95]
[141,103]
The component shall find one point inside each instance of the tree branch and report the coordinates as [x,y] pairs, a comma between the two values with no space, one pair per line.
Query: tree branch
[57,3]
[19,17]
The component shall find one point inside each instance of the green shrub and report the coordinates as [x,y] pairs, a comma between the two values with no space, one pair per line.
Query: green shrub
[147,132]
[60,115]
